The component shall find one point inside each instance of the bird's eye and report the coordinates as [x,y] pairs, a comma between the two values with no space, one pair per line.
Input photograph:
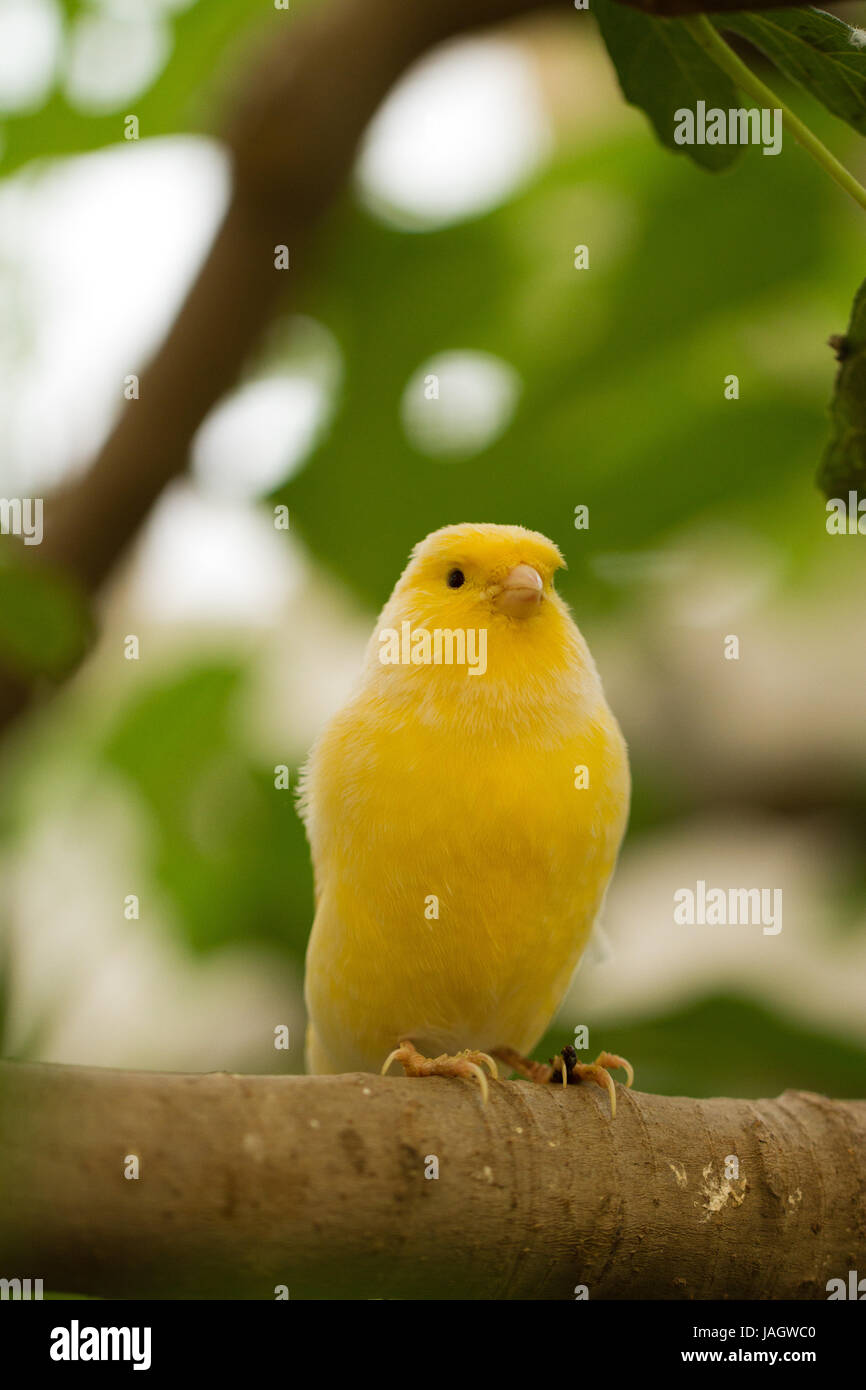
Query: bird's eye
[455,579]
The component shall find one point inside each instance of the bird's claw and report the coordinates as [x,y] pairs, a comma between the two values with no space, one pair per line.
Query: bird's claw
[571,1070]
[465,1064]
[565,1068]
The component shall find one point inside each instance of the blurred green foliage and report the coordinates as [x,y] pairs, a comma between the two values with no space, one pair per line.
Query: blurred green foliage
[45,622]
[687,278]
[228,849]
[204,41]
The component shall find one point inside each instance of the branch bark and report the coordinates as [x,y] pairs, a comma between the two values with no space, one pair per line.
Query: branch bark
[318,1183]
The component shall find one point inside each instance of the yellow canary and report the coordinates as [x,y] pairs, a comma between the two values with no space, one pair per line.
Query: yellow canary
[464,810]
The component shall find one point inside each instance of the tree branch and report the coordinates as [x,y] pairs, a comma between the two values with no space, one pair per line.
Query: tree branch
[318,1183]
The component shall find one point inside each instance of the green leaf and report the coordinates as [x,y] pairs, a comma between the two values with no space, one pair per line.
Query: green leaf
[45,625]
[661,69]
[813,49]
[843,466]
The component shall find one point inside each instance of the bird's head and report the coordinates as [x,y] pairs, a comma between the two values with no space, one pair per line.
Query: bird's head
[484,574]
[487,593]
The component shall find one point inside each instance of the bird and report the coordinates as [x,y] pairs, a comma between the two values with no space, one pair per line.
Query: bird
[464,810]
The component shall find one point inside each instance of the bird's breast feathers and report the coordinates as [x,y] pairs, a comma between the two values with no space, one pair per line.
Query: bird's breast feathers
[458,876]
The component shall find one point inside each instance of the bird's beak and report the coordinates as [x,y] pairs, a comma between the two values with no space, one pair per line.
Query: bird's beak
[520,592]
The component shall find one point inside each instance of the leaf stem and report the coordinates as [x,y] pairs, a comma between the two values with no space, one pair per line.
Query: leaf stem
[704,33]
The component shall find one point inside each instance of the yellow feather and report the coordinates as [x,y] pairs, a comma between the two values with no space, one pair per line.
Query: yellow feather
[434,785]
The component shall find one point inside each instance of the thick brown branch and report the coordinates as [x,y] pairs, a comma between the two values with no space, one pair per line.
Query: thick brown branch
[320,1184]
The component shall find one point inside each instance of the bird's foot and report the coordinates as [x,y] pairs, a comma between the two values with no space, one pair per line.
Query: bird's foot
[541,1072]
[572,1071]
[465,1064]
[567,1070]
